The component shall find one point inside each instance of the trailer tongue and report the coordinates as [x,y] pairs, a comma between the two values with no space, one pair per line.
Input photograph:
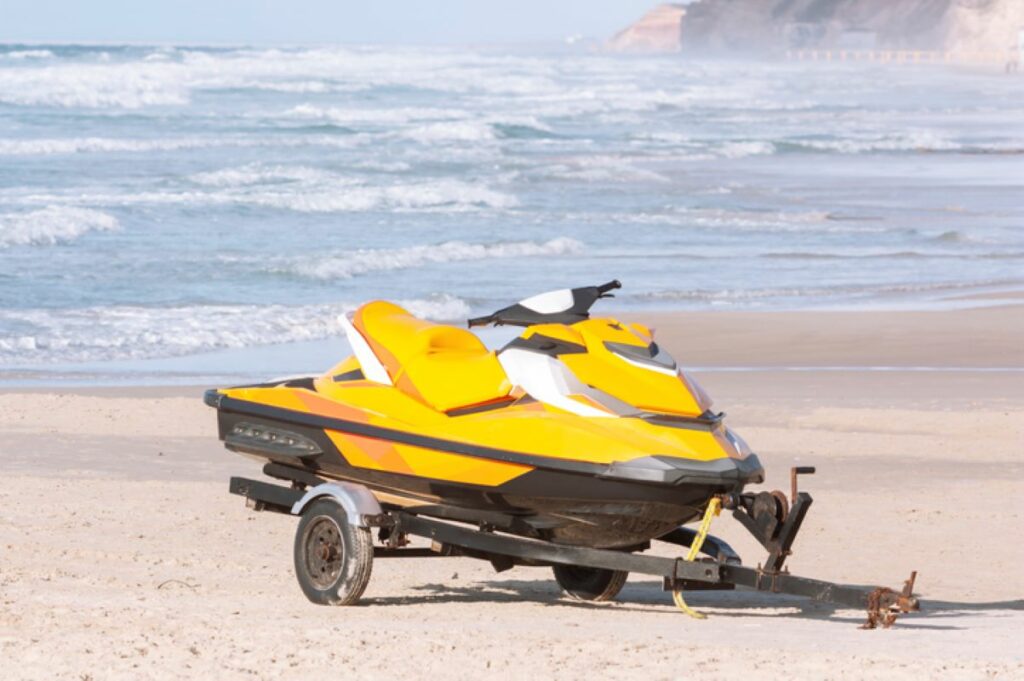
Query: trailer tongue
[768,516]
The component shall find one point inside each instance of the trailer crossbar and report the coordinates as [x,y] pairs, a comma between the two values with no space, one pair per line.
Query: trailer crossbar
[546,552]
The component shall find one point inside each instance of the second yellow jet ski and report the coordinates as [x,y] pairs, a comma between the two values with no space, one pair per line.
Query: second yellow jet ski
[582,429]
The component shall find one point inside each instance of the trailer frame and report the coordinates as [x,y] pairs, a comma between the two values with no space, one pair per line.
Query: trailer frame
[766,515]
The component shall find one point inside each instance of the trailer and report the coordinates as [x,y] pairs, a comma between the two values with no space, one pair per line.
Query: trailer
[334,546]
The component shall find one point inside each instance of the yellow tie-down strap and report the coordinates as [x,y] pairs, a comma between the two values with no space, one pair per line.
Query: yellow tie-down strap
[714,508]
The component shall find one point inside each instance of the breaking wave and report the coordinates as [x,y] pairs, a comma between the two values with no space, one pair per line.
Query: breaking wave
[352,115]
[80,145]
[350,196]
[598,168]
[26,54]
[740,220]
[916,141]
[51,225]
[129,85]
[449,131]
[354,263]
[122,78]
[257,173]
[920,141]
[136,332]
[336,194]
[744,149]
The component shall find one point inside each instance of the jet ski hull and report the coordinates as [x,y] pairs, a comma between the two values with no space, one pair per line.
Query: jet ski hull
[575,502]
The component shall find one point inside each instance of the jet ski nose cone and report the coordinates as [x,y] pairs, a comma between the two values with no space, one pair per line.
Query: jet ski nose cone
[667,470]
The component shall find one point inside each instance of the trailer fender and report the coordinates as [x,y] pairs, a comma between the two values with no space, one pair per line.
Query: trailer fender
[360,506]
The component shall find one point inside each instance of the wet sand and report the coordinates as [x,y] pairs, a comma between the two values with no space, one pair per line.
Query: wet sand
[123,556]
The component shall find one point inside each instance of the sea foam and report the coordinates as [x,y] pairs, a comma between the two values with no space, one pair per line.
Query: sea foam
[353,263]
[258,173]
[26,54]
[271,189]
[109,80]
[80,145]
[138,332]
[913,140]
[51,225]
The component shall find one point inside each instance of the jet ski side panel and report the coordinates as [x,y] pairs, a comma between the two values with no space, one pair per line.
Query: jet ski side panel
[578,502]
[597,447]
[523,426]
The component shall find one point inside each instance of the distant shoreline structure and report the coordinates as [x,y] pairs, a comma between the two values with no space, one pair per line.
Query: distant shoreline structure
[1000,57]
[883,31]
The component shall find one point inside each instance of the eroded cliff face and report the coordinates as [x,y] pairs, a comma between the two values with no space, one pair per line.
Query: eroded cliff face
[660,30]
[773,24]
[985,24]
[759,26]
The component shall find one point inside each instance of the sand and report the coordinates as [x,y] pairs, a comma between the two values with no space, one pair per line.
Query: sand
[122,556]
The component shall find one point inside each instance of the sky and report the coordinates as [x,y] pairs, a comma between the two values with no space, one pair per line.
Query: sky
[314,21]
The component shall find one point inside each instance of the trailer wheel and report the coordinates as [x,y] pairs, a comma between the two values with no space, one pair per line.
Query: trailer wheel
[333,559]
[589,584]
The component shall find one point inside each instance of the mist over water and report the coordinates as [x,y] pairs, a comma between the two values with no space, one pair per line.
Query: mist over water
[159,201]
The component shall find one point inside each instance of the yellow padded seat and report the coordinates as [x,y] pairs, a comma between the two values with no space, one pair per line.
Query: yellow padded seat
[444,366]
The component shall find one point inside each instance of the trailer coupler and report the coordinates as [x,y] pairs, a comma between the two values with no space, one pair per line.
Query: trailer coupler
[885,605]
[775,523]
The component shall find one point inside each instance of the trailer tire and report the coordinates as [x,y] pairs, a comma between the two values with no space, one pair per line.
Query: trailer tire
[589,584]
[333,558]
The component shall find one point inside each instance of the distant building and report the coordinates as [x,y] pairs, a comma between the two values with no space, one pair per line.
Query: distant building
[857,39]
[802,34]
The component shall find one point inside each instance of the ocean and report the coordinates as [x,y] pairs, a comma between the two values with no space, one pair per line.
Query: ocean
[187,213]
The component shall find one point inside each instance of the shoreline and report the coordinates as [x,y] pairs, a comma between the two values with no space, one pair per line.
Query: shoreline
[956,341]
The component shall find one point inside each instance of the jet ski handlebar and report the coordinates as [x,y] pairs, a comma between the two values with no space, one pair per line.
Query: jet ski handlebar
[566,306]
[479,321]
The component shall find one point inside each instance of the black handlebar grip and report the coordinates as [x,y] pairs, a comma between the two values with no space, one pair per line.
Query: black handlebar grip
[479,321]
[610,286]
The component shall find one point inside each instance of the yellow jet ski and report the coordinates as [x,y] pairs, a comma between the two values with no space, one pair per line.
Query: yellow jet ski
[582,429]
[573,446]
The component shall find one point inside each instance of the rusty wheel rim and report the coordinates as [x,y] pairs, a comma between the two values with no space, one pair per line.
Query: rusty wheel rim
[324,552]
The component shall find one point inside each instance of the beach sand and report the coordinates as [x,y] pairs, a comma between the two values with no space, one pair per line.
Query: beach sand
[122,556]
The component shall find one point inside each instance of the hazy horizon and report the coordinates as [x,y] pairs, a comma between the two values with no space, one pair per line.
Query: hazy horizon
[315,22]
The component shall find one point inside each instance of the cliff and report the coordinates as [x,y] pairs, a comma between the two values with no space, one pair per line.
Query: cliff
[657,31]
[985,24]
[760,26]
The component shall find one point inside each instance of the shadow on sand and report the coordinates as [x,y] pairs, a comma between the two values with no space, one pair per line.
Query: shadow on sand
[648,597]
